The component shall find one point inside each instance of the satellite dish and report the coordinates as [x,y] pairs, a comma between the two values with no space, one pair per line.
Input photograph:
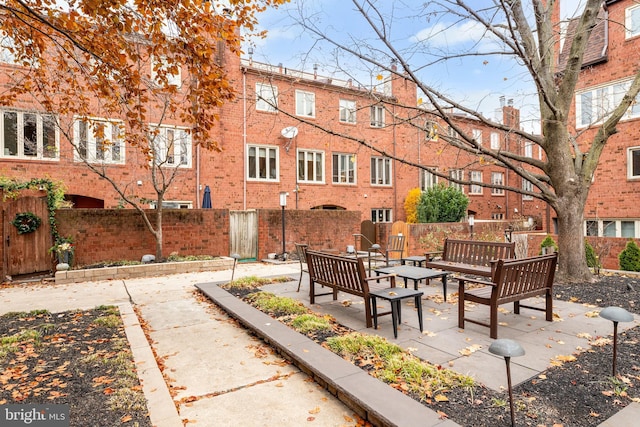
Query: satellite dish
[289,132]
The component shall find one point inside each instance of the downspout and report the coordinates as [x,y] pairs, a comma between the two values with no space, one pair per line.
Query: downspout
[395,181]
[244,138]
[198,205]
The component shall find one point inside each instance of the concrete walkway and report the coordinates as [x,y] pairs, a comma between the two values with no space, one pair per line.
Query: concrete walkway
[216,373]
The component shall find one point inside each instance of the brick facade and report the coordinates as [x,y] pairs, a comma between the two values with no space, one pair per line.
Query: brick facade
[611,59]
[242,125]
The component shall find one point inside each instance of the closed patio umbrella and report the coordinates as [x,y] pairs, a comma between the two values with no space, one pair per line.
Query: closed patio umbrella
[206,199]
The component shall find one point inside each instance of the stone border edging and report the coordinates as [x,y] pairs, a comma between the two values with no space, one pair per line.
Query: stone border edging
[372,399]
[142,270]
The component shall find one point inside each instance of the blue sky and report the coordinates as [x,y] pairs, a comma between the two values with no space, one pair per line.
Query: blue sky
[479,81]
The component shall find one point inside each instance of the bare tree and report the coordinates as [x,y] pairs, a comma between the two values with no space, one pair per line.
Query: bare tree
[526,34]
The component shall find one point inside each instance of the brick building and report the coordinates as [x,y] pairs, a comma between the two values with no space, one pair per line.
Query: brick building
[328,145]
[609,65]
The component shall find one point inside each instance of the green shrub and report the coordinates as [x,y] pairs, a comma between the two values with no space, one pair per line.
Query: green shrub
[630,257]
[548,242]
[590,255]
[442,204]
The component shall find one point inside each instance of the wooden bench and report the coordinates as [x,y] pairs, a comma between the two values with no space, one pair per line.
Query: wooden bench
[471,256]
[512,281]
[343,274]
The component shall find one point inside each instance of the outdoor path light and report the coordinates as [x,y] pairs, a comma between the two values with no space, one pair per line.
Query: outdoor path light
[507,349]
[235,257]
[375,248]
[472,221]
[283,204]
[616,314]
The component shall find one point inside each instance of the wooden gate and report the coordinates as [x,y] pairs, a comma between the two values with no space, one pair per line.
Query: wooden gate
[368,230]
[26,253]
[243,234]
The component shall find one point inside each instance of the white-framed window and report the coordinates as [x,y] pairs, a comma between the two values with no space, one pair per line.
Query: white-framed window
[632,21]
[527,186]
[6,45]
[381,215]
[431,130]
[344,168]
[497,178]
[266,97]
[476,134]
[98,140]
[528,149]
[594,105]
[173,204]
[164,74]
[29,135]
[305,103]
[427,179]
[456,174]
[627,228]
[633,163]
[262,163]
[171,146]
[377,116]
[475,176]
[452,132]
[495,141]
[380,171]
[347,111]
[310,166]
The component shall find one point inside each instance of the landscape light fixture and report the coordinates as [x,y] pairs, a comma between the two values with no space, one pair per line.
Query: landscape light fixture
[616,314]
[472,221]
[507,349]
[375,248]
[283,204]
[235,257]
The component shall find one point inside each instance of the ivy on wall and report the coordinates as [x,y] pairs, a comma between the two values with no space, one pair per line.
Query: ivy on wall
[55,196]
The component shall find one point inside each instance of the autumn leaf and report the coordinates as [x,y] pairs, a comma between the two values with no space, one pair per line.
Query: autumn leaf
[442,415]
[126,418]
[441,398]
[468,351]
[315,410]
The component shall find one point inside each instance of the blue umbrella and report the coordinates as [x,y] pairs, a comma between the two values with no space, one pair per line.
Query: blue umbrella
[206,199]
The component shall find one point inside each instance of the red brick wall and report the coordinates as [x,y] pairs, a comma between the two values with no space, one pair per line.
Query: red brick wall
[120,234]
[319,229]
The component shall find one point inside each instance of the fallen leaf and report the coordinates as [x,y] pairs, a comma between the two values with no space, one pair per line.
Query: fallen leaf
[442,415]
[441,398]
[315,410]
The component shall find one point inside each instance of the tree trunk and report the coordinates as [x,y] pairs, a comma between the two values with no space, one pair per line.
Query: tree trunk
[572,262]
[159,231]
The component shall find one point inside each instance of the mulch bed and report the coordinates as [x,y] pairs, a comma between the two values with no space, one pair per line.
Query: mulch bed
[577,393]
[82,358]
